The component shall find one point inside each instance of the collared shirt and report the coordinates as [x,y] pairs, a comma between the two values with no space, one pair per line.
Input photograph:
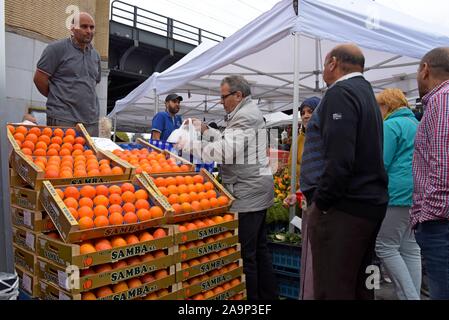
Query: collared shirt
[349,76]
[165,123]
[74,74]
[230,115]
[431,159]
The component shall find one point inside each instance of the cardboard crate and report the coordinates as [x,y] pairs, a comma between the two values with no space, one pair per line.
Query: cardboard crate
[28,282]
[36,221]
[201,233]
[221,191]
[212,282]
[172,294]
[64,254]
[35,176]
[25,198]
[68,227]
[188,273]
[195,252]
[69,279]
[16,181]
[25,238]
[49,291]
[25,259]
[240,288]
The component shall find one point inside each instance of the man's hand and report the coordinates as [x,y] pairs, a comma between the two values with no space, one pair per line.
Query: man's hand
[290,200]
[199,125]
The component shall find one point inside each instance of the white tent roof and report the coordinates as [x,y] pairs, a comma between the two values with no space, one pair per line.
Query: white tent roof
[277,119]
[263,52]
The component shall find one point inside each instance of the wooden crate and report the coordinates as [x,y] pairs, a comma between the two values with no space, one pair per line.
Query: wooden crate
[16,181]
[64,254]
[25,259]
[28,282]
[221,191]
[68,227]
[227,294]
[25,238]
[35,176]
[25,198]
[69,279]
[37,221]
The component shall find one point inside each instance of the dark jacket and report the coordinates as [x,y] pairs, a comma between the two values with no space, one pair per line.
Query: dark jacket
[354,178]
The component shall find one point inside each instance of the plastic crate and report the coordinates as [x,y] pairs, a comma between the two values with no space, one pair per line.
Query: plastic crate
[288,286]
[286,258]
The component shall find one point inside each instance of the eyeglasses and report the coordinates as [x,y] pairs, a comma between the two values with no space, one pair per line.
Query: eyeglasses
[227,95]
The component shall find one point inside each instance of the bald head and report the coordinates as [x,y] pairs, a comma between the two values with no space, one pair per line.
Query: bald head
[80,18]
[438,62]
[349,57]
[83,29]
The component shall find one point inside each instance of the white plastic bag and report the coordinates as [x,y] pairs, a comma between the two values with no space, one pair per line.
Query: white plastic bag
[185,135]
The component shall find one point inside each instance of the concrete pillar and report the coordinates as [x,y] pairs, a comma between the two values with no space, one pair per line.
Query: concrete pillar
[102,89]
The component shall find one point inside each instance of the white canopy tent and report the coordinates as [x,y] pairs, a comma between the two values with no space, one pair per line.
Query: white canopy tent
[263,52]
[278,119]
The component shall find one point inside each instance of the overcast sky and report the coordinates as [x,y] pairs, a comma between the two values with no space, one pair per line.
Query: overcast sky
[227,16]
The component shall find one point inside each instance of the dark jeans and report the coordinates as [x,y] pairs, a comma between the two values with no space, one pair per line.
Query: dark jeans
[92,129]
[257,263]
[342,249]
[433,238]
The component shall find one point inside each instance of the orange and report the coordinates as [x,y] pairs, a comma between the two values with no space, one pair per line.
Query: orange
[87,248]
[145,236]
[196,206]
[102,190]
[47,132]
[156,212]
[177,207]
[39,152]
[22,129]
[104,292]
[130,217]
[101,221]
[146,279]
[182,188]
[160,274]
[56,140]
[134,283]
[115,199]
[182,229]
[101,200]
[55,147]
[60,193]
[128,187]
[198,179]
[103,268]
[11,128]
[148,257]
[118,242]
[132,239]
[64,152]
[205,204]
[180,180]
[119,264]
[133,261]
[128,196]
[208,186]
[218,219]
[198,296]
[88,191]
[86,212]
[191,226]
[58,132]
[223,253]
[184,197]
[79,173]
[213,202]
[74,213]
[88,296]
[29,145]
[159,233]
[93,173]
[80,140]
[19,136]
[86,223]
[27,151]
[170,181]
[35,130]
[191,188]
[86,202]
[199,187]
[200,224]
[78,147]
[173,198]
[45,139]
[106,171]
[184,168]
[186,207]
[218,290]
[194,262]
[160,182]
[222,201]
[119,287]
[67,146]
[115,208]
[31,137]
[172,189]
[72,192]
[117,170]
[204,259]
[116,219]
[71,203]
[142,204]
[159,254]
[227,235]
[141,194]
[51,173]
[115,189]
[228,217]
[209,222]
[88,153]
[70,132]
[101,211]
[40,164]
[211,194]
[143,215]
[235,282]
[129,207]
[69,139]
[76,153]
[103,244]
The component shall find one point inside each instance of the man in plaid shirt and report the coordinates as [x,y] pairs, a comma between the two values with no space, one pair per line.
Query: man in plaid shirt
[430,210]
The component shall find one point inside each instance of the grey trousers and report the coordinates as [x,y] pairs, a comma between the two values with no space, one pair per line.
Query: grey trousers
[399,253]
[92,129]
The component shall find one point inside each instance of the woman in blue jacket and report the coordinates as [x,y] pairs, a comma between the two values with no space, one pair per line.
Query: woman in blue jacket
[396,245]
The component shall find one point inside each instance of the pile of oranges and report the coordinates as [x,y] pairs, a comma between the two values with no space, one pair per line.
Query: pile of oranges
[190,193]
[61,154]
[102,206]
[203,223]
[150,161]
[124,286]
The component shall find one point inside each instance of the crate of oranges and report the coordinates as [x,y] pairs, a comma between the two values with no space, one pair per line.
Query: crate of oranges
[170,293]
[232,290]
[63,156]
[192,196]
[116,250]
[82,212]
[231,273]
[150,159]
[131,289]
[36,221]
[204,264]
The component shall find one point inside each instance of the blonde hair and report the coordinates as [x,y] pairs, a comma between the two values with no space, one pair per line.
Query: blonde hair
[392,98]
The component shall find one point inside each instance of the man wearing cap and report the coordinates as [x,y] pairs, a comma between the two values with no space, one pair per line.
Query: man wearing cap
[165,122]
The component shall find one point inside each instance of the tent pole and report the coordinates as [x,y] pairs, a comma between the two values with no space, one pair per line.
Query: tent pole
[115,127]
[294,148]
[156,102]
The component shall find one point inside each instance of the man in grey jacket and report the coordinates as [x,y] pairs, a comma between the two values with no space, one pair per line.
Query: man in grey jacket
[241,151]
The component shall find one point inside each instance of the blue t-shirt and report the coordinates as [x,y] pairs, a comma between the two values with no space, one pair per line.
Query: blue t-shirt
[164,123]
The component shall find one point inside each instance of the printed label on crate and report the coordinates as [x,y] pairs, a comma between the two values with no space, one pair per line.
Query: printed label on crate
[26,283]
[62,280]
[124,229]
[22,170]
[132,251]
[131,273]
[212,248]
[52,256]
[21,262]
[211,232]
[224,296]
[137,292]
[30,240]
[213,282]
[213,265]
[52,211]
[27,218]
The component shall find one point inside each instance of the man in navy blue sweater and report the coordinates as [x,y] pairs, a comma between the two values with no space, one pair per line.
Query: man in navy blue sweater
[344,179]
